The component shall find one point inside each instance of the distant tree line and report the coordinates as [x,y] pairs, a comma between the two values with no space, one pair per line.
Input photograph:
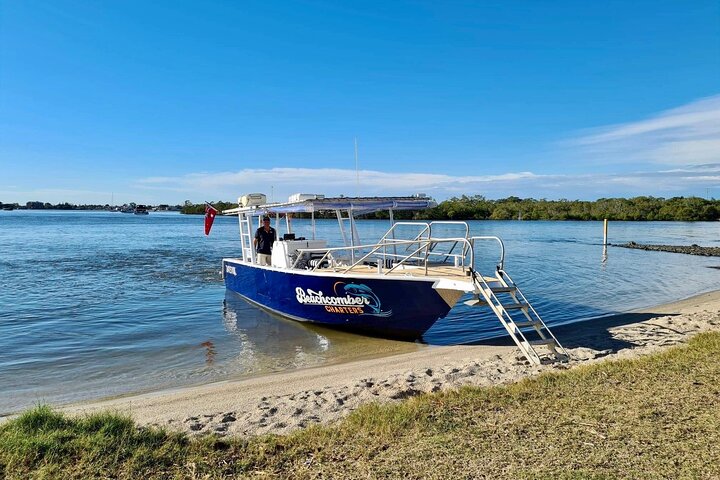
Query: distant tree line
[198,208]
[637,208]
[477,207]
[69,206]
[60,206]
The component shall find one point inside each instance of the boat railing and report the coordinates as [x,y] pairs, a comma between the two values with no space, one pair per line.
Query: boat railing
[422,253]
[450,222]
[466,233]
[391,230]
[426,232]
[394,227]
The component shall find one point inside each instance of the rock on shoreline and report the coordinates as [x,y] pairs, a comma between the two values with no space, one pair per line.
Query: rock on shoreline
[687,249]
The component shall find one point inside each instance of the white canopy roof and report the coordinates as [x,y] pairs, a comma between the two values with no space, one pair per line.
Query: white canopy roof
[357,205]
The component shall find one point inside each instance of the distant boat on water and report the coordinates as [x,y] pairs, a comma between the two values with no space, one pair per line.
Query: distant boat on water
[133,208]
[8,207]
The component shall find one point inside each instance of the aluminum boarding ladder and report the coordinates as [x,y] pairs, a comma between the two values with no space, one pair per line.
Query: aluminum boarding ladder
[246,238]
[528,330]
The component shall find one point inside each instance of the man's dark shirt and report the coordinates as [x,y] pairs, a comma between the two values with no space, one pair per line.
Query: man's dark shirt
[265,240]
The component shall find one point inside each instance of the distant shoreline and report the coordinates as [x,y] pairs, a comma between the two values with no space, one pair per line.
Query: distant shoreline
[361,218]
[85,208]
[477,207]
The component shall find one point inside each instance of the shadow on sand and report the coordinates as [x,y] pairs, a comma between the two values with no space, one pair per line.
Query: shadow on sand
[593,333]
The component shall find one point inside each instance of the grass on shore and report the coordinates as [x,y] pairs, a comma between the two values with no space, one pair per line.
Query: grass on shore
[653,417]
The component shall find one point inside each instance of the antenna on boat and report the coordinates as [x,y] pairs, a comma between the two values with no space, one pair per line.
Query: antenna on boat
[357,171]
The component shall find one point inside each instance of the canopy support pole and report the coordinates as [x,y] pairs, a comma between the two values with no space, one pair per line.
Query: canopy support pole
[312,220]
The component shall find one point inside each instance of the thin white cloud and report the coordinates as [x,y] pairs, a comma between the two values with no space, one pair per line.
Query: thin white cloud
[324,177]
[707,168]
[285,181]
[685,140]
[685,135]
[699,180]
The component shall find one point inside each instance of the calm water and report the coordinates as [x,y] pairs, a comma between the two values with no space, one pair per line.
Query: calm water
[95,304]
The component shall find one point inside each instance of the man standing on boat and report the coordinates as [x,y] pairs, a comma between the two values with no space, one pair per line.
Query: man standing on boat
[265,236]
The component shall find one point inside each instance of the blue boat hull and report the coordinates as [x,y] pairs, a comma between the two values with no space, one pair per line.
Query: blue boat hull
[390,307]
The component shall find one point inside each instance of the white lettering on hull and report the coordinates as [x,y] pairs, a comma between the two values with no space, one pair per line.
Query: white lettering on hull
[310,297]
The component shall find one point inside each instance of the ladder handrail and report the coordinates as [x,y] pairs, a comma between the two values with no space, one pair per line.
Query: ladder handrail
[501,263]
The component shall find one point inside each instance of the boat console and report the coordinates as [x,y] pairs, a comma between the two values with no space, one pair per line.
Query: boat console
[285,252]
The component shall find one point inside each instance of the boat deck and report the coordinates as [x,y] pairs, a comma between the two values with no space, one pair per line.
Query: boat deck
[434,271]
[444,271]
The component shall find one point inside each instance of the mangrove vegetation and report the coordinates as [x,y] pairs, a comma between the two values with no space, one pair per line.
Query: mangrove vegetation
[477,207]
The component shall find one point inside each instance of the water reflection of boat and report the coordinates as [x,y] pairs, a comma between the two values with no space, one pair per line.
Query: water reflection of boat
[263,335]
[396,287]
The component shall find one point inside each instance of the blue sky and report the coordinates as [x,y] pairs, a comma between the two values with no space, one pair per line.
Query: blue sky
[159,102]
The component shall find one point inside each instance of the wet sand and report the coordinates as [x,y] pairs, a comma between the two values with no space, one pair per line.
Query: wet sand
[284,402]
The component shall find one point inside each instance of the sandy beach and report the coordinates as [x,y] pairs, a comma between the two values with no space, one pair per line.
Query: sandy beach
[281,403]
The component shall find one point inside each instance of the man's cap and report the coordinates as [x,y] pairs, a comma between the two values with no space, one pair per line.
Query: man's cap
[266,219]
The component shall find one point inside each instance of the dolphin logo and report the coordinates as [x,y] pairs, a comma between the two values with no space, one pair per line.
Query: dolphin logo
[370,300]
[363,291]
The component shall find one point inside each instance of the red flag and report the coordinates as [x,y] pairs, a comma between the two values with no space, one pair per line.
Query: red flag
[210,213]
